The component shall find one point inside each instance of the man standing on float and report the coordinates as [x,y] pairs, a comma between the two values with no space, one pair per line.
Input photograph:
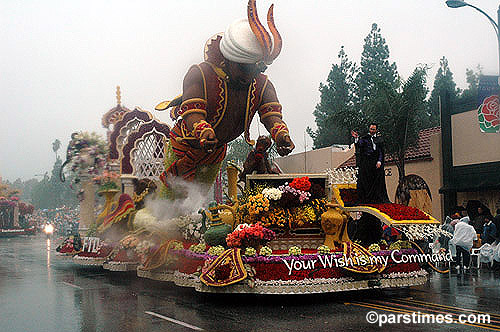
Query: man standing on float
[371,186]
[220,97]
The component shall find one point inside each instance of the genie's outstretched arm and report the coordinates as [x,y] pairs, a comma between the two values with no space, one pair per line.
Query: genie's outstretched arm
[270,116]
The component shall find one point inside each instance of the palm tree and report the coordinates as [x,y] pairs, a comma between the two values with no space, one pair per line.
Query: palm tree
[55,146]
[399,114]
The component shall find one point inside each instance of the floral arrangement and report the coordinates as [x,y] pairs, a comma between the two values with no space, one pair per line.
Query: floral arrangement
[400,211]
[395,246]
[106,181]
[216,251]
[88,153]
[144,248]
[129,242]
[198,248]
[257,204]
[400,245]
[297,203]
[177,245]
[323,249]
[7,202]
[301,195]
[250,251]
[190,226]
[272,194]
[246,235]
[265,251]
[374,247]
[25,208]
[278,217]
[295,251]
[302,184]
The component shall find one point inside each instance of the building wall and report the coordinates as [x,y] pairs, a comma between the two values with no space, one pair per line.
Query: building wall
[490,198]
[470,145]
[429,170]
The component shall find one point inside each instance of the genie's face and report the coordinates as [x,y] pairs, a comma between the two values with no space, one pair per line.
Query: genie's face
[241,74]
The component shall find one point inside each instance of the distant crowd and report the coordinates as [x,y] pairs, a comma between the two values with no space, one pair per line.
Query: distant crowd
[64,219]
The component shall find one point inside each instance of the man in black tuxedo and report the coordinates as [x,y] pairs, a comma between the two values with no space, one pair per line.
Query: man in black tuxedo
[370,162]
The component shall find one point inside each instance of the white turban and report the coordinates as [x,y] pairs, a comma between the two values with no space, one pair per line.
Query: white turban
[239,43]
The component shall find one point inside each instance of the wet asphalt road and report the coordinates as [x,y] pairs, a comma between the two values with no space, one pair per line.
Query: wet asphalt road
[40,292]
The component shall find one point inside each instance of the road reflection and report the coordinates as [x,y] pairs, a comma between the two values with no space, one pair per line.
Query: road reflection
[49,276]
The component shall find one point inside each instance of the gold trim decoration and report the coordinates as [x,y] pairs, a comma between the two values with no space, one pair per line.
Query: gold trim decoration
[251,90]
[230,260]
[222,98]
[336,191]
[354,251]
[194,110]
[169,103]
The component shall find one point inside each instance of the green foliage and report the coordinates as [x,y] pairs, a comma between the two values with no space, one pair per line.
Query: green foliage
[337,103]
[443,82]
[472,78]
[50,193]
[399,113]
[56,145]
[375,65]
[353,97]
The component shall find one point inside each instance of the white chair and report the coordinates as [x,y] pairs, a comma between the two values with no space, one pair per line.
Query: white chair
[475,253]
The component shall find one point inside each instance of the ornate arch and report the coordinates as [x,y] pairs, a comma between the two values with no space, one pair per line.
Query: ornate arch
[123,128]
[143,151]
[113,116]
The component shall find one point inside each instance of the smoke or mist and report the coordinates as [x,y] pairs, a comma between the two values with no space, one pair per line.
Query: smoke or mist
[190,197]
[164,214]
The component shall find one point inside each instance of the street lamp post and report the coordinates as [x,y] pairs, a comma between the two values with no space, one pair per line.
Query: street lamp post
[460,3]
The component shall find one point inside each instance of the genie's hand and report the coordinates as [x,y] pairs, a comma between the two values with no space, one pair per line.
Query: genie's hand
[284,144]
[208,141]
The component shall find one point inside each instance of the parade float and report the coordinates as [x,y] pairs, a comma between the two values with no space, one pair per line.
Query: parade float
[14,217]
[280,234]
[287,235]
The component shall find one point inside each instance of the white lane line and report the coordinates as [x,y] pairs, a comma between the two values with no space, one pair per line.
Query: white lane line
[68,284]
[196,328]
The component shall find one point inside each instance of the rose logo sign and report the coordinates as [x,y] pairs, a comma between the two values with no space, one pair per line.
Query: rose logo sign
[489,115]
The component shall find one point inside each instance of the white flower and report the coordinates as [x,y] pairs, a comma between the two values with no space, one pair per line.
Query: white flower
[272,193]
[242,226]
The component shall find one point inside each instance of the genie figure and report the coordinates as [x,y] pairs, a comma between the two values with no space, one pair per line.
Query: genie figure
[220,97]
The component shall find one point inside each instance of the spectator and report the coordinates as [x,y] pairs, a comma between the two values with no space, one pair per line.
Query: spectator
[479,220]
[463,238]
[496,221]
[447,227]
[489,230]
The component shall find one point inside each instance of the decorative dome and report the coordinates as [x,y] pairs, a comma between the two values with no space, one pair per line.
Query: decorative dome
[116,113]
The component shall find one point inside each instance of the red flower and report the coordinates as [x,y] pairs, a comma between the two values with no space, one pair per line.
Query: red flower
[490,110]
[400,212]
[302,184]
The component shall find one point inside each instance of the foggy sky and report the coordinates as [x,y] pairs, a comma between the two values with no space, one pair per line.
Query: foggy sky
[60,61]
